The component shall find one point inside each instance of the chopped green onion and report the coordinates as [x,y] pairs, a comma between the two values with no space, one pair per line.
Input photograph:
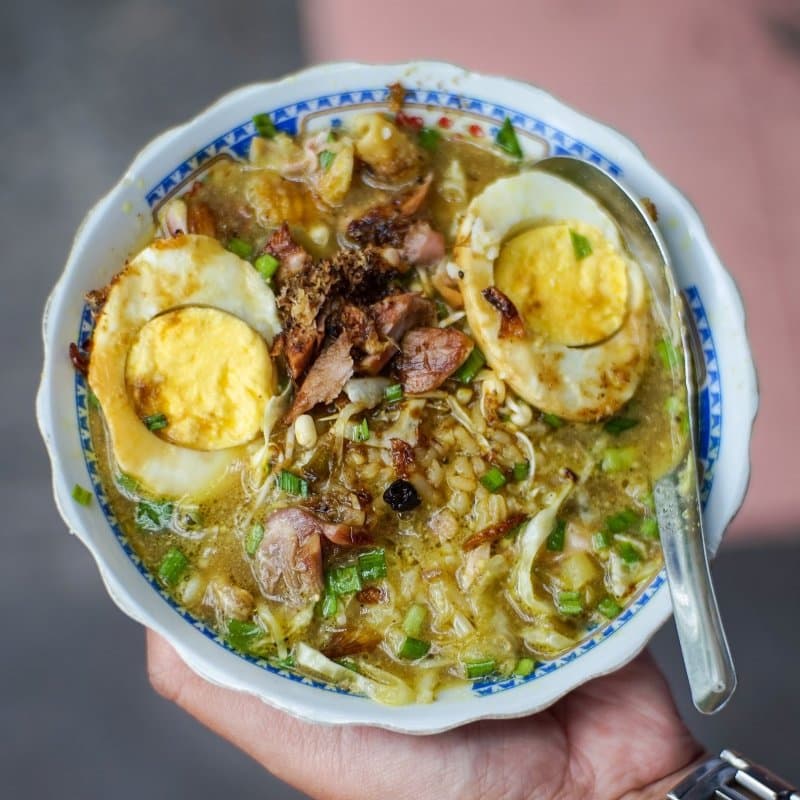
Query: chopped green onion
[617,459]
[267,265]
[244,636]
[506,139]
[669,355]
[81,495]
[570,603]
[552,420]
[524,667]
[555,541]
[172,566]
[623,521]
[494,479]
[393,393]
[348,663]
[330,604]
[127,482]
[92,400]
[609,607]
[153,515]
[601,540]
[284,663]
[360,432]
[292,484]
[617,425]
[628,553]
[580,245]
[264,125]
[345,580]
[442,311]
[649,528]
[254,537]
[413,649]
[429,138]
[372,565]
[155,422]
[414,620]
[471,367]
[240,248]
[480,669]
[521,470]
[326,158]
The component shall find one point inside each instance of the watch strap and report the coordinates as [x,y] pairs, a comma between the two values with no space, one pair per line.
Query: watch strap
[732,777]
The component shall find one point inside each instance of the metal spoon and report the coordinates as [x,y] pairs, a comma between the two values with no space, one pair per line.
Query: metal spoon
[709,666]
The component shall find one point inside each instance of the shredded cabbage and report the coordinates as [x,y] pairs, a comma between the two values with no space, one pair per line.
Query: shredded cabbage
[464,419]
[546,640]
[405,427]
[275,630]
[376,683]
[340,427]
[530,542]
[456,316]
[527,446]
[369,392]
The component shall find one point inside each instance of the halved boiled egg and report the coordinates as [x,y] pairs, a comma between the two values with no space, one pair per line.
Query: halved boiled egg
[183,339]
[582,300]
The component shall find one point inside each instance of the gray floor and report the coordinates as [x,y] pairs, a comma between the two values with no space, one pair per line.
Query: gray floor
[83,85]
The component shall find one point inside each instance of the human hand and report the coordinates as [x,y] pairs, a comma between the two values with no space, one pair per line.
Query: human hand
[616,737]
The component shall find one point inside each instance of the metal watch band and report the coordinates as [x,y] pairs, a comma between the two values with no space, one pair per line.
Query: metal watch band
[731,777]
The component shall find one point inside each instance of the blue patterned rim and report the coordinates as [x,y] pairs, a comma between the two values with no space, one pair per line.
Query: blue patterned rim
[237,142]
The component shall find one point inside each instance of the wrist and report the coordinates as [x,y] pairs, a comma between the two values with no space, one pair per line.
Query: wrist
[658,790]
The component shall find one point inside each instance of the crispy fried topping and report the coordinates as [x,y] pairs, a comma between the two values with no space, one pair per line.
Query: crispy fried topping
[511,325]
[397,96]
[402,457]
[494,532]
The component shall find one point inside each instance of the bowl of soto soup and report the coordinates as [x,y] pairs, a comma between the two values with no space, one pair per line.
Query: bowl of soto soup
[363,413]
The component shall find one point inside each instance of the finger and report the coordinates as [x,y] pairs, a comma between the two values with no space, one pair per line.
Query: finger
[324,762]
[633,706]
[275,740]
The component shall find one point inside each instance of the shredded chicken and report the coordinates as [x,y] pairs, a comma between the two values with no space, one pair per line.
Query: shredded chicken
[292,257]
[349,643]
[389,223]
[394,316]
[289,559]
[228,601]
[200,218]
[430,356]
[326,378]
[423,245]
[308,296]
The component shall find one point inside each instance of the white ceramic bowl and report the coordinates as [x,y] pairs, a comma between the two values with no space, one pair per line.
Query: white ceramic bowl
[122,220]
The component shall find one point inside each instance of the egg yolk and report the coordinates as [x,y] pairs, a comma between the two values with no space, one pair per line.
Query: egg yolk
[206,371]
[562,292]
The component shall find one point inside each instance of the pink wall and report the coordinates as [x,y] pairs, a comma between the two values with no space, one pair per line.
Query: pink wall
[711,96]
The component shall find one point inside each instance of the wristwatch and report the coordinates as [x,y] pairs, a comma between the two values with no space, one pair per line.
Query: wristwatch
[731,777]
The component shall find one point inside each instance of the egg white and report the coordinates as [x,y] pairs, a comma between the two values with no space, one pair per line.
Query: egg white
[188,270]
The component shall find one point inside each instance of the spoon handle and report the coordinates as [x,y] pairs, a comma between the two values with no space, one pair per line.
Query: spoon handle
[709,666]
